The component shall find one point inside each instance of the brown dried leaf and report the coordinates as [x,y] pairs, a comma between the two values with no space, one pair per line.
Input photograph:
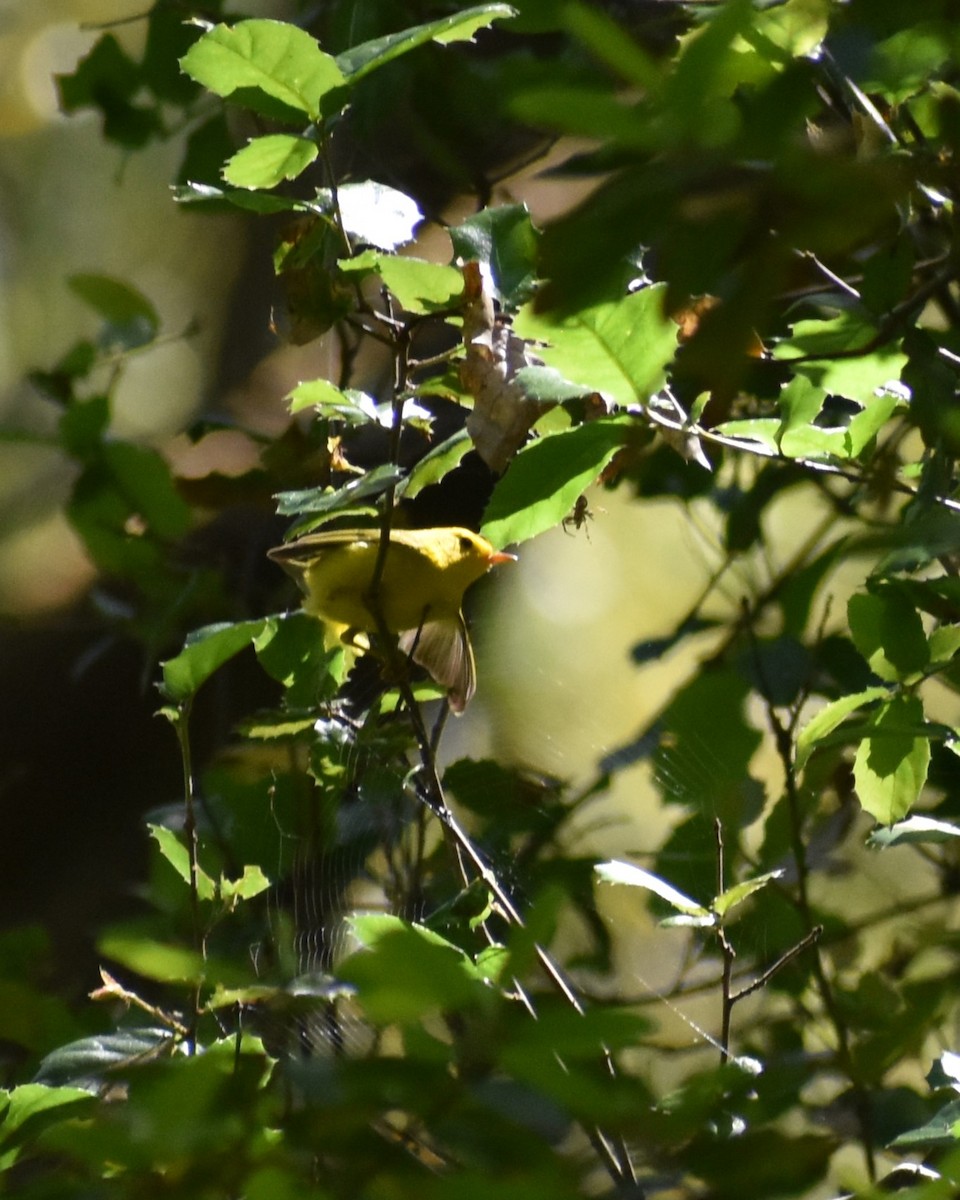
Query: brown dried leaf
[503,413]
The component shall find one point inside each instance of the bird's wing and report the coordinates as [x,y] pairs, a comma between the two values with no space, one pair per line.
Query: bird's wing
[443,649]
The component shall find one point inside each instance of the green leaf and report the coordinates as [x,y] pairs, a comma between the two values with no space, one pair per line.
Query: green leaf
[91,1058]
[266,161]
[546,478]
[439,462]
[939,1132]
[356,408]
[944,643]
[829,717]
[764,430]
[107,79]
[162,961]
[867,423]
[800,403]
[205,651]
[795,28]
[370,56]
[913,831]
[888,632]
[813,442]
[891,764]
[215,199]
[314,501]
[131,320]
[407,970]
[83,426]
[858,377]
[633,876]
[144,477]
[606,39]
[29,1108]
[251,883]
[276,58]
[504,240]
[620,348]
[376,214]
[419,286]
[292,650]
[729,899]
[176,854]
[169,37]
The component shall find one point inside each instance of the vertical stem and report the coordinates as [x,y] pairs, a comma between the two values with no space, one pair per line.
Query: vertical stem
[181,725]
[727,952]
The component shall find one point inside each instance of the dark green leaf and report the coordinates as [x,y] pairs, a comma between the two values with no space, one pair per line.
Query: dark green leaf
[503,239]
[888,632]
[205,651]
[83,426]
[461,26]
[291,650]
[131,319]
[361,491]
[107,80]
[544,480]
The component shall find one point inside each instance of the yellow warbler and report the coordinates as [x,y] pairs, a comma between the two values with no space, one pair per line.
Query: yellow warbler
[419,594]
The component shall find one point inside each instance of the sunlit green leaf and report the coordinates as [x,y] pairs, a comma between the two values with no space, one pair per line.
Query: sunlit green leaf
[732,896]
[620,349]
[31,1105]
[830,717]
[376,214]
[944,643]
[406,970]
[763,430]
[418,285]
[350,405]
[634,876]
[276,58]
[176,854]
[857,376]
[266,161]
[166,962]
[251,883]
[914,830]
[866,424]
[891,764]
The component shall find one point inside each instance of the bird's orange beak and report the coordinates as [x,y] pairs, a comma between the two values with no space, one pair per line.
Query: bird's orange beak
[501,556]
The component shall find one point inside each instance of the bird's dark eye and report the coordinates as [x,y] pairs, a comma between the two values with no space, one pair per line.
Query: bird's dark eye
[466,544]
